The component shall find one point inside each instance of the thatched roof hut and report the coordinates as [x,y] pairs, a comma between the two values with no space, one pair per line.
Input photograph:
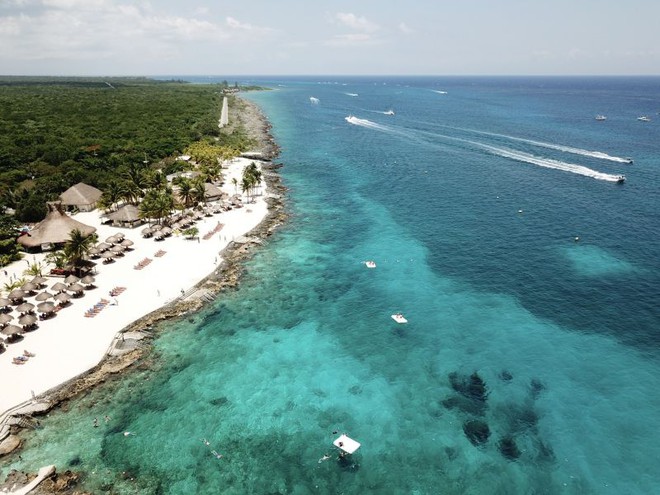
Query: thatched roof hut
[54,229]
[126,216]
[212,192]
[81,197]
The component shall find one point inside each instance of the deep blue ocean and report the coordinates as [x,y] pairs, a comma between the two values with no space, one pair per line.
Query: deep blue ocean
[530,360]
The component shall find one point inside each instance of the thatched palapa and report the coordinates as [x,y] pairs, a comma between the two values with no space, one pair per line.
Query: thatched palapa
[126,216]
[81,197]
[54,229]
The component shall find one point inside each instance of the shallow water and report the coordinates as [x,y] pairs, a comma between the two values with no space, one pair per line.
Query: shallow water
[477,250]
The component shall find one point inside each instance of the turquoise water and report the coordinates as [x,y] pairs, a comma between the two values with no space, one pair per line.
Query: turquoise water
[471,223]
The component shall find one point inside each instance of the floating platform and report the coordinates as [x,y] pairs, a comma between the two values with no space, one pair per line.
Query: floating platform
[346,444]
[399,318]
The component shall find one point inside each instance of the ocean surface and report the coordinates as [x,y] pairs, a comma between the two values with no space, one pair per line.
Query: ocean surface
[530,363]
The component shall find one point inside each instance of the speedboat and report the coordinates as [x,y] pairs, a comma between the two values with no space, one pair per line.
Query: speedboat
[629,161]
[644,118]
[620,179]
[601,117]
[399,318]
[389,112]
[370,264]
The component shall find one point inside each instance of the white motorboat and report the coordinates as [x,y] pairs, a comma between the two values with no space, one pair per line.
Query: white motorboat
[399,318]
[370,264]
[644,118]
[620,179]
[601,117]
[389,112]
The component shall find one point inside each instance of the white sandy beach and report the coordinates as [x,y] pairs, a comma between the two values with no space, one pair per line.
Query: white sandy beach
[70,343]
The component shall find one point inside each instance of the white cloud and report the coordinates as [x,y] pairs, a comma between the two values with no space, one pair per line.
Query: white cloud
[237,26]
[75,4]
[352,39]
[403,27]
[356,23]
[92,29]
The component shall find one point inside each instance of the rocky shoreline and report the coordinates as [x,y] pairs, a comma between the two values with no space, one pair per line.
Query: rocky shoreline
[131,345]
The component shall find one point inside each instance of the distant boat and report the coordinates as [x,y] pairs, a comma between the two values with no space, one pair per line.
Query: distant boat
[399,318]
[313,100]
[644,118]
[389,112]
[601,117]
[620,179]
[370,264]
[629,161]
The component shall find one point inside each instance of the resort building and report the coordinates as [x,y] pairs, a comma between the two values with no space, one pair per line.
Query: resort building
[80,197]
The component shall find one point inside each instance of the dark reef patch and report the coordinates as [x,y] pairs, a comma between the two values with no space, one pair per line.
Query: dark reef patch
[508,448]
[477,431]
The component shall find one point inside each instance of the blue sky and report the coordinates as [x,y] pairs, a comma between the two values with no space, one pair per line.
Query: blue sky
[279,37]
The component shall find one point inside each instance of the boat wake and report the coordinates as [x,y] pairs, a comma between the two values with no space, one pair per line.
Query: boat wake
[351,94]
[520,156]
[550,163]
[558,147]
[351,119]
[313,100]
[439,92]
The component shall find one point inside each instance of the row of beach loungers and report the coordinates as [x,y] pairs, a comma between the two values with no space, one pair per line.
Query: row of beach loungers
[97,308]
[146,261]
[143,263]
[215,230]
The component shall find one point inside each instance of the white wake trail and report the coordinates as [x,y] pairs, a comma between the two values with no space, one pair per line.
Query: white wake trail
[351,119]
[549,163]
[558,147]
[516,155]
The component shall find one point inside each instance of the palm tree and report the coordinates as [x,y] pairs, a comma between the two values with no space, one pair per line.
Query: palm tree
[130,192]
[76,249]
[112,194]
[135,174]
[199,190]
[57,258]
[34,269]
[251,179]
[186,191]
[157,204]
[152,179]
[246,186]
[212,172]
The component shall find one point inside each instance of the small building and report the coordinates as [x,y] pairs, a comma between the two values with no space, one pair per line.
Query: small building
[54,230]
[213,192]
[187,174]
[81,197]
[126,216]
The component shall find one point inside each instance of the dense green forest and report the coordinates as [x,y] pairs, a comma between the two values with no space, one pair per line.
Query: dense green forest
[56,132]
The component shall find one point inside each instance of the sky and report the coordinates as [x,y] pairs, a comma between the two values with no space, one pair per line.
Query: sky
[322,37]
